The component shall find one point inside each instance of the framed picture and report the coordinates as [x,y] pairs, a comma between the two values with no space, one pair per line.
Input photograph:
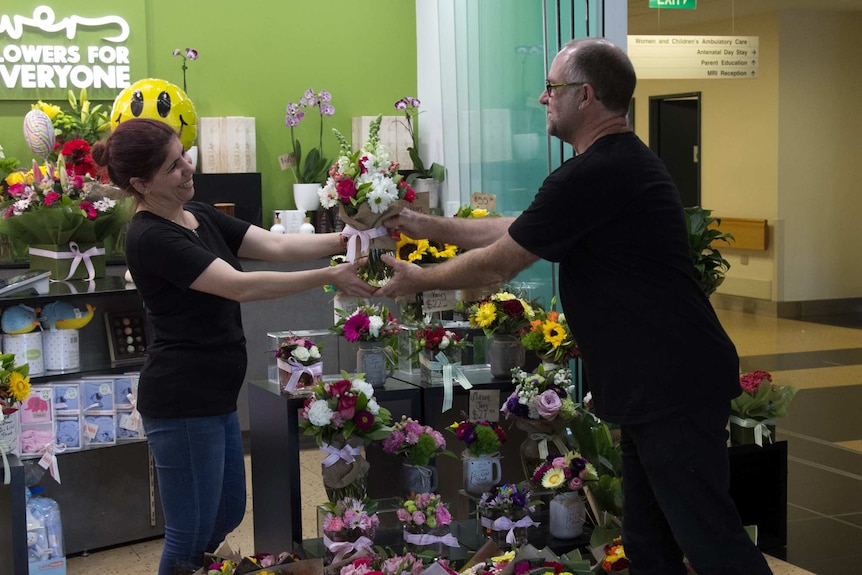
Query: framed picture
[127,337]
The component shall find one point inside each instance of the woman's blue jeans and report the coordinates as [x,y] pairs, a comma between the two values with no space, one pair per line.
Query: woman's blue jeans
[201,472]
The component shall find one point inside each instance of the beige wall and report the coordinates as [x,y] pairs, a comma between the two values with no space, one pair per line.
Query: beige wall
[782,147]
[820,157]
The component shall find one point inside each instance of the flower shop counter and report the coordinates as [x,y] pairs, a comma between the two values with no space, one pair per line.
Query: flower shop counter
[275,444]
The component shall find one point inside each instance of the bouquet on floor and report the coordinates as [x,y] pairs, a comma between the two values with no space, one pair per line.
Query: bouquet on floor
[382,563]
[367,188]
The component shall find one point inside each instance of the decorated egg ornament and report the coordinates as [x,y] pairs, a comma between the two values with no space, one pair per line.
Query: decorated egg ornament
[39,133]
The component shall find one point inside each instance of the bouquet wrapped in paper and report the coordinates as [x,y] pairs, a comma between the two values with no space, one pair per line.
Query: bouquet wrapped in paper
[367,188]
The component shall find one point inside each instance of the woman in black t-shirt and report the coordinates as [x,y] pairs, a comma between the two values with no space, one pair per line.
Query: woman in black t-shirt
[184,259]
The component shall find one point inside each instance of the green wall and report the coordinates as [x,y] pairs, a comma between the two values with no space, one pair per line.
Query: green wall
[256,57]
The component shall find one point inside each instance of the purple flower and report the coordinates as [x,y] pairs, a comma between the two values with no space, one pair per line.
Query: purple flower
[400,105]
[548,404]
[191,54]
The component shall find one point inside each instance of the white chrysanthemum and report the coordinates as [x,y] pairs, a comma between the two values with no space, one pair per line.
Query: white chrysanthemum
[328,194]
[314,352]
[372,406]
[375,322]
[20,206]
[300,353]
[104,204]
[365,178]
[363,387]
[378,201]
[319,413]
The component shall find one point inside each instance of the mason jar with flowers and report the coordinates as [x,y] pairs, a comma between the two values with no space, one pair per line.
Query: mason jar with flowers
[753,412]
[541,406]
[376,331]
[504,513]
[565,476]
[299,365]
[343,416]
[419,445]
[503,317]
[349,528]
[367,189]
[481,456]
[426,522]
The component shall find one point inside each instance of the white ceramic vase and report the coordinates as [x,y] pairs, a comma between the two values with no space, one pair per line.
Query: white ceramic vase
[306,197]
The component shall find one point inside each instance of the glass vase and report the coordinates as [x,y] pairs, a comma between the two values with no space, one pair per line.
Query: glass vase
[544,438]
[498,531]
[307,378]
[431,369]
[504,353]
[372,359]
[432,545]
[336,550]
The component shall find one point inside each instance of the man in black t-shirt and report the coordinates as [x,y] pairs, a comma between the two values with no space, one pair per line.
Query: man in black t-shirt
[657,359]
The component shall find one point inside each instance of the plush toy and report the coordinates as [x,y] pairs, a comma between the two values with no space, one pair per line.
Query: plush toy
[18,319]
[62,315]
[158,100]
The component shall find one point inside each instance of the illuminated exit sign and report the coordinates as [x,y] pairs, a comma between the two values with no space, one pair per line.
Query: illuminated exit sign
[674,4]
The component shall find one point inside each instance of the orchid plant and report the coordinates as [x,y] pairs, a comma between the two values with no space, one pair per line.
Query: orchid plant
[187,55]
[315,167]
[410,106]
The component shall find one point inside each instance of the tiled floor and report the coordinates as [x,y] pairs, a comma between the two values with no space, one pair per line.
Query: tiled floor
[823,431]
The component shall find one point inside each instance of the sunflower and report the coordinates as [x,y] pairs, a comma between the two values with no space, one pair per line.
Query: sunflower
[448,251]
[410,250]
[485,316]
[553,478]
[19,386]
[555,333]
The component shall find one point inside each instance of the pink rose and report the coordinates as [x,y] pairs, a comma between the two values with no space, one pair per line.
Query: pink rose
[403,515]
[548,404]
[443,516]
[418,517]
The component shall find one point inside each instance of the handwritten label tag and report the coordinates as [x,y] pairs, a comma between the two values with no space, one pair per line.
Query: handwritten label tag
[486,201]
[287,161]
[438,300]
[485,405]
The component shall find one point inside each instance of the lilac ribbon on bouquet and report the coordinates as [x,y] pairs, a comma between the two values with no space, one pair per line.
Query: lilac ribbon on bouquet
[76,255]
[428,539]
[451,371]
[341,548]
[296,370]
[504,523]
[761,428]
[348,453]
[363,238]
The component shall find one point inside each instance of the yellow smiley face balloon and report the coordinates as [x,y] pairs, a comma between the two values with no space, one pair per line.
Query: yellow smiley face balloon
[157,100]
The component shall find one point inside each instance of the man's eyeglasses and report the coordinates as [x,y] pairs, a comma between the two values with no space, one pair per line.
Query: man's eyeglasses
[549,88]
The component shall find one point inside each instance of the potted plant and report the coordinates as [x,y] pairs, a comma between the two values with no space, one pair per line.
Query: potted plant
[709,266]
[424,178]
